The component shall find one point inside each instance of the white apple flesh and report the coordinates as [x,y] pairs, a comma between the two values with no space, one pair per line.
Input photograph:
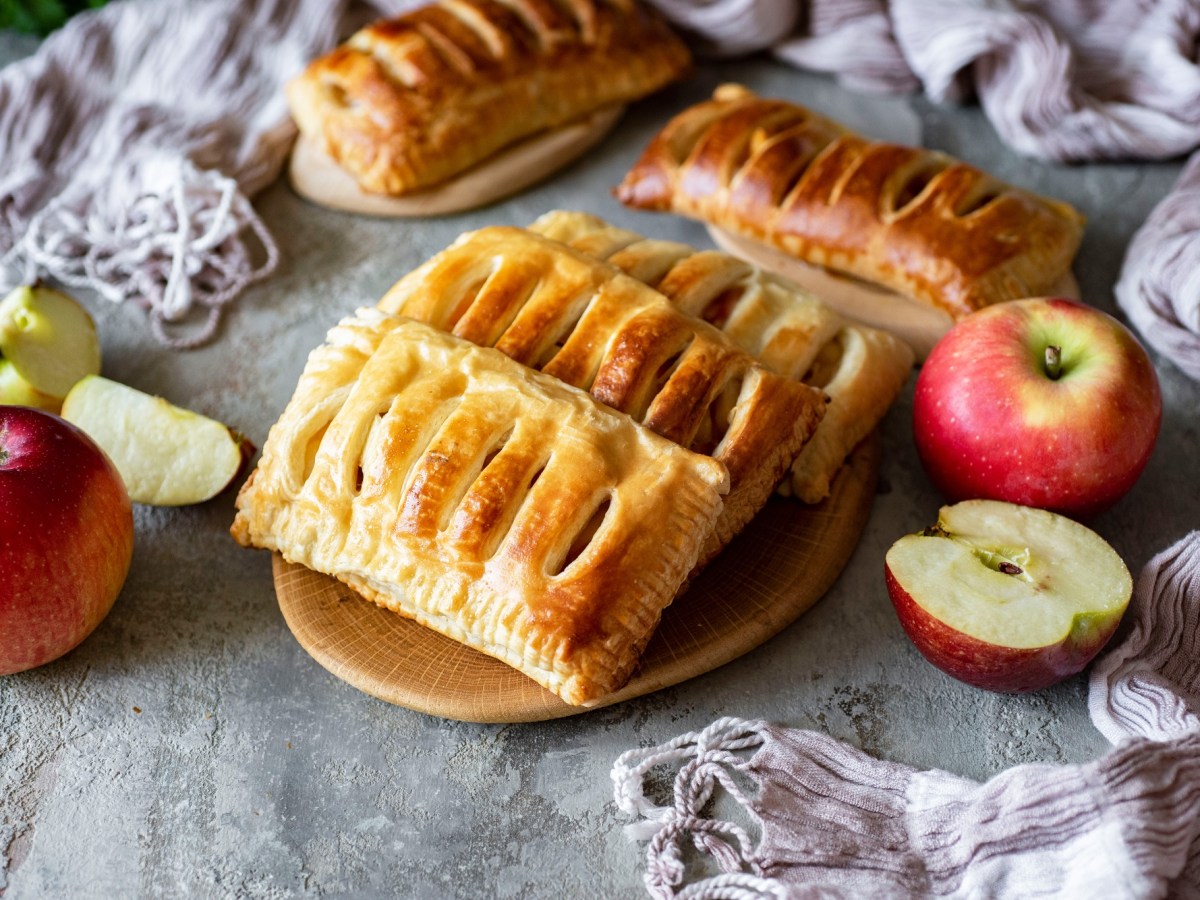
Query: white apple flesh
[48,338]
[1044,402]
[66,537]
[1005,597]
[168,456]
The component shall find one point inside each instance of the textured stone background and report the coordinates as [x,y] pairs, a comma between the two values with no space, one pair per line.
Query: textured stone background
[190,746]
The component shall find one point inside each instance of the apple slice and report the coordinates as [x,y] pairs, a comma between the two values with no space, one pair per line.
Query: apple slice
[1005,597]
[168,456]
[49,338]
[16,391]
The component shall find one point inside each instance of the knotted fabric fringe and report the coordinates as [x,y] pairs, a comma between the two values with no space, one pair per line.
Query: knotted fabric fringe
[132,140]
[835,822]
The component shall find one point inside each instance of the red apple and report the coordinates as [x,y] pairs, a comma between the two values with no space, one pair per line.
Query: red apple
[1044,402]
[1007,597]
[66,537]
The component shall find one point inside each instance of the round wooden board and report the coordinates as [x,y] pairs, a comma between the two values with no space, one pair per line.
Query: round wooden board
[780,565]
[918,324]
[316,177]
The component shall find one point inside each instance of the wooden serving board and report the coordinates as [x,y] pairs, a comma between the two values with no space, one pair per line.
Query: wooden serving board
[316,177]
[783,562]
[918,324]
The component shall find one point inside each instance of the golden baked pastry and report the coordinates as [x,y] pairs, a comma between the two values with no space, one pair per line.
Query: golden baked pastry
[411,101]
[584,322]
[916,221]
[861,369]
[491,503]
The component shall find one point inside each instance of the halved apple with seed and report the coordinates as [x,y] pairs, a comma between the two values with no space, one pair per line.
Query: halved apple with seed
[1006,597]
[48,338]
[167,455]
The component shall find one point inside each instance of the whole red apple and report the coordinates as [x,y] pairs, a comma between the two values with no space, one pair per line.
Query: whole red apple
[1007,597]
[66,537]
[1045,402]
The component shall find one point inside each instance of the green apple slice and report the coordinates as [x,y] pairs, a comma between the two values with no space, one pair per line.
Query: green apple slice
[168,456]
[49,338]
[16,391]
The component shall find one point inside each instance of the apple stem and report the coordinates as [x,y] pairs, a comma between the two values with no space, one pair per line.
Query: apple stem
[1054,362]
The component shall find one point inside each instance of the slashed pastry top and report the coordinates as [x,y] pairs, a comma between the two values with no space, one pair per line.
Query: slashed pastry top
[583,321]
[411,101]
[914,220]
[489,502]
[861,369]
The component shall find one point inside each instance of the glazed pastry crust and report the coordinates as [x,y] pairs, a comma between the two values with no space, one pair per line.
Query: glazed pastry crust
[584,322]
[491,503]
[409,102]
[914,220]
[861,369]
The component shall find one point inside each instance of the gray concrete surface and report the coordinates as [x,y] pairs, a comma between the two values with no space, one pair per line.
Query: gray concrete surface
[191,748]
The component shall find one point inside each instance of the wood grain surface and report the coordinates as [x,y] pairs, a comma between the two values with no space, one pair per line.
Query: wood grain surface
[774,571]
[918,324]
[317,177]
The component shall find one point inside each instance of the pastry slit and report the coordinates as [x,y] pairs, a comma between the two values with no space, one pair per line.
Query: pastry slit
[977,203]
[543,19]
[715,422]
[447,51]
[720,309]
[661,377]
[496,306]
[452,501]
[397,68]
[477,22]
[915,186]
[312,435]
[586,534]
[418,472]
[464,303]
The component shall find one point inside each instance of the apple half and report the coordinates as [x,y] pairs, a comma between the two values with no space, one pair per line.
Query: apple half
[1007,598]
[48,338]
[168,456]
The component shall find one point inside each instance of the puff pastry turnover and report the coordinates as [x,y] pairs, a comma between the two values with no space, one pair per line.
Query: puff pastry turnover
[861,369]
[913,220]
[491,503]
[411,101]
[571,316]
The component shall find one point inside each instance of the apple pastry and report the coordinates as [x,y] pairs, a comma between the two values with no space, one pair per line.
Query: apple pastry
[915,221]
[861,369]
[586,323]
[409,102]
[491,503]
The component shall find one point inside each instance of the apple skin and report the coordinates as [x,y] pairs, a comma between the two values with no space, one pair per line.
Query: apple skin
[66,537]
[1007,670]
[990,422]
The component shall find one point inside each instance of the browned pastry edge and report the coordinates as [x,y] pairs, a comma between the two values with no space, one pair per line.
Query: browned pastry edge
[586,323]
[411,101]
[861,369]
[914,220]
[489,502]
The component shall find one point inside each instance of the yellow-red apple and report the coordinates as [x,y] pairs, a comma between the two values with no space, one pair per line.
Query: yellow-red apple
[66,537]
[1044,402]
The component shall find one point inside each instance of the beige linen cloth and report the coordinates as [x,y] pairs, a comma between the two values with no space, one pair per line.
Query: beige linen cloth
[132,140]
[835,822]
